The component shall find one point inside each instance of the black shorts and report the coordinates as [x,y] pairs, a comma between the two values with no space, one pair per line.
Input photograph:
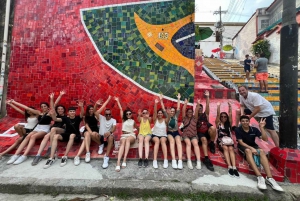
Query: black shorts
[269,119]
[66,137]
[28,130]
[102,141]
[173,133]
[206,135]
[247,68]
[93,129]
[242,149]
[153,136]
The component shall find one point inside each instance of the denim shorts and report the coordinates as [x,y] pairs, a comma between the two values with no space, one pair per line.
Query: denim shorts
[173,133]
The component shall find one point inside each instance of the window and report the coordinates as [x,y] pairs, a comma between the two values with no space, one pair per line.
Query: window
[264,24]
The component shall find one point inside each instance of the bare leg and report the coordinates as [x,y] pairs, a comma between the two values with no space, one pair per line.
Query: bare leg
[146,140]
[266,84]
[265,163]
[212,131]
[52,133]
[87,140]
[141,142]
[226,155]
[261,85]
[54,144]
[81,149]
[204,145]
[70,144]
[110,142]
[172,146]
[196,148]
[121,151]
[188,148]
[12,147]
[163,141]
[20,129]
[247,75]
[251,162]
[32,140]
[43,144]
[179,146]
[237,117]
[232,155]
[156,146]
[24,143]
[130,140]
[274,137]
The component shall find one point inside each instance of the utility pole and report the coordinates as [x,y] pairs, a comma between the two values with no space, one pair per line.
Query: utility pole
[219,26]
[288,77]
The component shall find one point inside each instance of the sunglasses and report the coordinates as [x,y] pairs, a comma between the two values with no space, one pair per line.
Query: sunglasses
[223,116]
[107,114]
[144,112]
[128,114]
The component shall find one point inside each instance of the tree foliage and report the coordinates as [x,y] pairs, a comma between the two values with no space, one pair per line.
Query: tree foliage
[261,46]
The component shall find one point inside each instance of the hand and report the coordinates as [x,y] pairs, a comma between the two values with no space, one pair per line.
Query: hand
[156,101]
[8,102]
[99,102]
[51,95]
[116,99]
[253,151]
[80,103]
[178,96]
[218,104]
[62,92]
[161,96]
[107,134]
[229,103]
[185,101]
[51,112]
[168,111]
[140,112]
[206,93]
[198,101]
[262,122]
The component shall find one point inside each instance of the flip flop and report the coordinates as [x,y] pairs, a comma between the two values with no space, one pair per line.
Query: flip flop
[123,165]
[118,168]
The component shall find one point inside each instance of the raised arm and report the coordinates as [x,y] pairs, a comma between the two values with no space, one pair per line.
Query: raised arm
[51,96]
[97,103]
[161,102]
[230,112]
[262,124]
[155,110]
[206,93]
[61,93]
[197,109]
[139,115]
[184,108]
[37,112]
[52,114]
[9,102]
[178,101]
[98,112]
[80,104]
[120,107]
[217,121]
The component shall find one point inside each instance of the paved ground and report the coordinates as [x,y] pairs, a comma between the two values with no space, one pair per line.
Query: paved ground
[91,179]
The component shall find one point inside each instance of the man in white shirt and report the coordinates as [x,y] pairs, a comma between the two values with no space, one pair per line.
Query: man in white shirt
[106,130]
[254,105]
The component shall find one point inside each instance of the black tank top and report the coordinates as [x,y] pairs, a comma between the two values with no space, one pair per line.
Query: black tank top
[46,120]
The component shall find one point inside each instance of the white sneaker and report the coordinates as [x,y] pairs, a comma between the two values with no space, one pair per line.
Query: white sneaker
[64,160]
[101,147]
[180,166]
[87,157]
[246,81]
[273,184]
[155,164]
[49,162]
[76,160]
[166,164]
[21,159]
[12,159]
[261,184]
[174,164]
[105,162]
[190,165]
[198,166]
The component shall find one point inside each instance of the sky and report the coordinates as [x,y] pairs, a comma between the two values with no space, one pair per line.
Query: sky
[241,10]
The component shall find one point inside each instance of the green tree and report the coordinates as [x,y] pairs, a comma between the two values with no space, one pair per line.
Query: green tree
[261,46]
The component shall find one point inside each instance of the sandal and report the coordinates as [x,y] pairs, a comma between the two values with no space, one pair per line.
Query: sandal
[123,165]
[118,168]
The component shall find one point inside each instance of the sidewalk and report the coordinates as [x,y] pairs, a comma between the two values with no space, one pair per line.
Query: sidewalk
[90,178]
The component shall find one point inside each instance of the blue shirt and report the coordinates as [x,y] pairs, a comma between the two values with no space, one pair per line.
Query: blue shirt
[247,137]
[247,61]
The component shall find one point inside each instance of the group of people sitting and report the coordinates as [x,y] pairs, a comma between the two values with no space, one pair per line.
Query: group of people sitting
[195,130]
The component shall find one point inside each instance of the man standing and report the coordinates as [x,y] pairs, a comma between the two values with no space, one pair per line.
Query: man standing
[254,105]
[262,72]
[245,136]
[206,132]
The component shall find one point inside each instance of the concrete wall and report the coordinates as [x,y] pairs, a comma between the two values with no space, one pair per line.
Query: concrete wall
[244,39]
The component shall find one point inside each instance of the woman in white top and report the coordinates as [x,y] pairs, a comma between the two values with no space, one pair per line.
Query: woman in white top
[22,130]
[128,136]
[159,134]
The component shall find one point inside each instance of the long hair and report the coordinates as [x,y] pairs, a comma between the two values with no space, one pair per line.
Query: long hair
[227,125]
[44,103]
[124,114]
[87,113]
[56,107]
[27,114]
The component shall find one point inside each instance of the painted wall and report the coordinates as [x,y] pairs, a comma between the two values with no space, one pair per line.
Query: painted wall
[92,49]
[244,39]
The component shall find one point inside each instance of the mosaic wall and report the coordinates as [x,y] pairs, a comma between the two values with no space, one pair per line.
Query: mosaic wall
[97,48]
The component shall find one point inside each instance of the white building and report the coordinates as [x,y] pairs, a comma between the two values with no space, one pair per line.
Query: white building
[230,30]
